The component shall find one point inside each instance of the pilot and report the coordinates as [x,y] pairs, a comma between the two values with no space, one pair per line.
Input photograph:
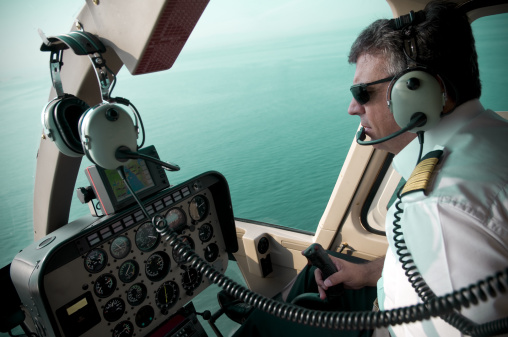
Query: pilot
[454,223]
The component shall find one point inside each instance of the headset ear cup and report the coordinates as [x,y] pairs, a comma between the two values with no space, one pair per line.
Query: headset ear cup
[61,119]
[104,129]
[414,91]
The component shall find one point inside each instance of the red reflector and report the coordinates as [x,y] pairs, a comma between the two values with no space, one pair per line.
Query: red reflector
[173,28]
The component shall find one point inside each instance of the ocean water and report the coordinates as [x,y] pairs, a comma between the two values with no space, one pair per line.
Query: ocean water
[270,116]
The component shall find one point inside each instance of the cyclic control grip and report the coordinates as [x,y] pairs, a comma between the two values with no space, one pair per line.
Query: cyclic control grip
[318,257]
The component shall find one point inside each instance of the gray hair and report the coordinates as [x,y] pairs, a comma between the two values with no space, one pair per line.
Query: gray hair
[381,39]
[445,45]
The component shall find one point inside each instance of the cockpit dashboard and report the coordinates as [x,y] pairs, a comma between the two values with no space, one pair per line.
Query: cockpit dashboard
[116,276]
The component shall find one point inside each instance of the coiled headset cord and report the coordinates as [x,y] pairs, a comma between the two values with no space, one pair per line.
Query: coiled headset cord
[462,298]
[425,293]
[339,320]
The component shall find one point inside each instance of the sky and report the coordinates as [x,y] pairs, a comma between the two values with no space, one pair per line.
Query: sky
[224,22]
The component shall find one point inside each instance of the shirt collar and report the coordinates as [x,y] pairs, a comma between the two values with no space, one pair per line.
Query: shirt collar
[405,161]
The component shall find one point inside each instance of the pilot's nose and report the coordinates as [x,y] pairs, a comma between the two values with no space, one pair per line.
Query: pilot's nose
[355,108]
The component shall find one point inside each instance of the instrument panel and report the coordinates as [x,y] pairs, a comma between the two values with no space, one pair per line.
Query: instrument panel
[119,277]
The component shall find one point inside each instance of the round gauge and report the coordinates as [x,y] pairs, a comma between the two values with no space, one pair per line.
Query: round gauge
[198,208]
[114,309]
[157,266]
[105,285]
[136,294]
[178,257]
[147,237]
[191,278]
[96,260]
[176,219]
[211,252]
[205,232]
[145,316]
[120,247]
[123,329]
[167,295]
[128,271]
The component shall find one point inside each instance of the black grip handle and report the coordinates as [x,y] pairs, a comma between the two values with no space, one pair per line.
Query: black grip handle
[318,257]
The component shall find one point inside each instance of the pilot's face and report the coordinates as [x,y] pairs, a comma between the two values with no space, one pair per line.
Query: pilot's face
[375,116]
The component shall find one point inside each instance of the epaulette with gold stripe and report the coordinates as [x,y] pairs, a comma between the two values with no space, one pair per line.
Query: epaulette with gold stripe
[419,179]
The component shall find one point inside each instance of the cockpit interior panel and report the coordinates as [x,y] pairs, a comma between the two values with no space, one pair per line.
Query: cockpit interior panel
[116,275]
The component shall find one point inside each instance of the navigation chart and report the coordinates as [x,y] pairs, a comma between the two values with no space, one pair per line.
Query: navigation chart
[137,175]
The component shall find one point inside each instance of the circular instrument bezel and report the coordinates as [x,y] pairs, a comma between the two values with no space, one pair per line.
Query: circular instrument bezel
[136,294]
[147,238]
[105,285]
[114,309]
[165,300]
[199,207]
[120,247]
[157,266]
[205,232]
[96,260]
[176,218]
[125,274]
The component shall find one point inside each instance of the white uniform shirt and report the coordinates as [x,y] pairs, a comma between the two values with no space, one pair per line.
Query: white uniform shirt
[457,232]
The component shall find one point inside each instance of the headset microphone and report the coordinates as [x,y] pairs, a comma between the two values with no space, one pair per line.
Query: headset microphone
[123,153]
[418,119]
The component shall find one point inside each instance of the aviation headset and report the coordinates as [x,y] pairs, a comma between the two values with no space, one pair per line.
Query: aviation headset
[416,96]
[61,115]
[68,121]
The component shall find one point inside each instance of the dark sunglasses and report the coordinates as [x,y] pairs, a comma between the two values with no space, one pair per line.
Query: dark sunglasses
[360,93]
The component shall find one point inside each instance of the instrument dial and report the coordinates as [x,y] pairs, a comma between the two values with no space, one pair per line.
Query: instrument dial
[178,256]
[176,219]
[145,316]
[147,237]
[128,271]
[211,252]
[191,278]
[105,285]
[120,247]
[157,266]
[198,208]
[136,294]
[113,309]
[96,260]
[123,329]
[205,232]
[167,295]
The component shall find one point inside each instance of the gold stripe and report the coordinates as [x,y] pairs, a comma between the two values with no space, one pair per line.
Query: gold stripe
[420,177]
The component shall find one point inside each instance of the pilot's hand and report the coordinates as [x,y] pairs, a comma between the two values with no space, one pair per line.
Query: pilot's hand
[351,275]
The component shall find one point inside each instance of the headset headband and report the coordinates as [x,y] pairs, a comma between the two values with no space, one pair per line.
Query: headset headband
[81,43]
[406,23]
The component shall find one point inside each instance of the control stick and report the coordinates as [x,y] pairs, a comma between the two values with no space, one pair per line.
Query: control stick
[318,257]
